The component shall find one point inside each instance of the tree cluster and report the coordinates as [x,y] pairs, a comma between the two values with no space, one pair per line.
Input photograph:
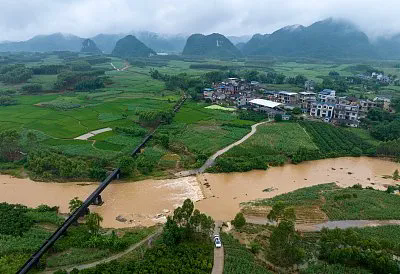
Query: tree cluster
[13,220]
[15,74]
[50,165]
[350,248]
[32,88]
[48,69]
[70,79]
[184,223]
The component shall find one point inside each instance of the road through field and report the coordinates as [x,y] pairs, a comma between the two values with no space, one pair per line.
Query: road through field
[148,240]
[210,161]
[342,224]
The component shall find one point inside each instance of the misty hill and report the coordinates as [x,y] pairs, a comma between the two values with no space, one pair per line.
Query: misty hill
[89,46]
[106,42]
[388,48]
[162,42]
[213,45]
[324,39]
[239,39]
[43,43]
[130,46]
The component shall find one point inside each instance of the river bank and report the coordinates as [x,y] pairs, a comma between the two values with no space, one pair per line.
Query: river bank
[219,195]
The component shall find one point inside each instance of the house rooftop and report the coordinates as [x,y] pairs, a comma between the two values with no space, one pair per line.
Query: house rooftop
[307,93]
[327,92]
[265,103]
[288,93]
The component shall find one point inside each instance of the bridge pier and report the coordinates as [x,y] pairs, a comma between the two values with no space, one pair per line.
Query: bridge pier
[98,201]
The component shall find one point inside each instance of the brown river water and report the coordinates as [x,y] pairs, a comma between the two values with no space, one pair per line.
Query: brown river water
[147,202]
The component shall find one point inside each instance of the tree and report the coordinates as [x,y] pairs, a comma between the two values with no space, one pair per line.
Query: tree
[93,221]
[239,220]
[297,111]
[32,88]
[74,204]
[285,245]
[126,164]
[281,212]
[278,117]
[396,175]
[185,222]
[10,145]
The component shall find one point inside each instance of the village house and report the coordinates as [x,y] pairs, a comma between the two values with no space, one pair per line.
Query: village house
[309,85]
[266,106]
[322,110]
[327,95]
[208,93]
[346,114]
[306,98]
[288,98]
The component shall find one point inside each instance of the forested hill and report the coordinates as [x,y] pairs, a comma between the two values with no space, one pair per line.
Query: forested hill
[324,39]
[213,45]
[130,46]
[45,43]
[89,46]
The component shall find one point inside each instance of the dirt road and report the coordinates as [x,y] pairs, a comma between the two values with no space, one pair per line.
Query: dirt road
[218,267]
[210,161]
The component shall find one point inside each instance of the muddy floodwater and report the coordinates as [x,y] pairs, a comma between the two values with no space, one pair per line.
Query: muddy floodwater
[219,195]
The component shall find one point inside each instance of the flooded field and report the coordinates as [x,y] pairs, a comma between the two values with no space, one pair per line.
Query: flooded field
[219,195]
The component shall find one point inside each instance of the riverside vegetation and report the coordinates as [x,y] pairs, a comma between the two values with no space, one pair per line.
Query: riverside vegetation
[355,250]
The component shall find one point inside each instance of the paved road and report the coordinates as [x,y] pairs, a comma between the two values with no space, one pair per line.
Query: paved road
[109,259]
[210,161]
[329,224]
[218,267]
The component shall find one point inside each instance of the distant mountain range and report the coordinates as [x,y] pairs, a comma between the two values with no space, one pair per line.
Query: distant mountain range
[327,39]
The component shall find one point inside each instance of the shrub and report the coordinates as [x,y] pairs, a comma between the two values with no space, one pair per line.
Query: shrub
[239,220]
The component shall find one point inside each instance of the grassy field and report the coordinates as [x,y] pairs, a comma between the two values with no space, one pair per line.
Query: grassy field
[197,132]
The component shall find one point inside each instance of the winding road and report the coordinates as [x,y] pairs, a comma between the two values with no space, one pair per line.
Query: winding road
[210,161]
[148,239]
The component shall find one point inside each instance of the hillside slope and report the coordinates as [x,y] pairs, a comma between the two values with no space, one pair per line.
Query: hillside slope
[130,46]
[213,45]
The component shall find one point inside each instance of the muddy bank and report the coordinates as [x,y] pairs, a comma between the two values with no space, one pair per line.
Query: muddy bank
[147,202]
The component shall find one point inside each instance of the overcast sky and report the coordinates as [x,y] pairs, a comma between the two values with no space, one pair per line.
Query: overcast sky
[22,19]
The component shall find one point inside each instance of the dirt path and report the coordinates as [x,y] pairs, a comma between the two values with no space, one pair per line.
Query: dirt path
[210,161]
[108,259]
[329,224]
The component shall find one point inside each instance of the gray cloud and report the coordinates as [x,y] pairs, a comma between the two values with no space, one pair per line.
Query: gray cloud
[22,19]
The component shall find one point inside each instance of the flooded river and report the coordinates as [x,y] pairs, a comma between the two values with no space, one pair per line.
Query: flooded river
[219,195]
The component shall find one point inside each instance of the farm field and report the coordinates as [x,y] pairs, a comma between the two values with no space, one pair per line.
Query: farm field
[342,203]
[238,259]
[272,144]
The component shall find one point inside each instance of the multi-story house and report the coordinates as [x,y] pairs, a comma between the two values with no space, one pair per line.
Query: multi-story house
[322,110]
[208,93]
[346,114]
[289,98]
[309,85]
[327,95]
[306,98]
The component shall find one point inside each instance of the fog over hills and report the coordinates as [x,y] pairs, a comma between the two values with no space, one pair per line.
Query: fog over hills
[330,38]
